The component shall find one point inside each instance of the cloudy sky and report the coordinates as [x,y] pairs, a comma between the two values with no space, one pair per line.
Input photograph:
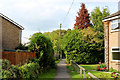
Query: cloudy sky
[46,15]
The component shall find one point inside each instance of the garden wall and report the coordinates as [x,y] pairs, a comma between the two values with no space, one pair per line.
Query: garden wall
[17,57]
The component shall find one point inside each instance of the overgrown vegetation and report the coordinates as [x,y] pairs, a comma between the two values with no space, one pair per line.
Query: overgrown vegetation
[86,45]
[42,46]
[83,46]
[54,37]
[30,70]
[42,62]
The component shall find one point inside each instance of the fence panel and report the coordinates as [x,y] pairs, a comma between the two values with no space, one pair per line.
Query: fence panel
[17,57]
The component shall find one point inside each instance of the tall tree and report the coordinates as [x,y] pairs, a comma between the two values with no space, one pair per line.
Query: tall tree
[97,16]
[82,21]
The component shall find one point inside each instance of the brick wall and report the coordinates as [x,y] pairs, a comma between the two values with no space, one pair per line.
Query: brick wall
[17,57]
[0,34]
[10,35]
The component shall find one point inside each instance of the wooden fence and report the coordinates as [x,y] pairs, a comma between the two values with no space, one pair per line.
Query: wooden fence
[17,57]
[78,68]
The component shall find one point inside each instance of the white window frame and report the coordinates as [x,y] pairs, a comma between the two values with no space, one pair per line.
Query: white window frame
[115,23]
[114,51]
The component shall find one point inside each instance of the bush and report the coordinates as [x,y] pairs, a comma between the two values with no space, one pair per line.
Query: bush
[21,47]
[28,70]
[43,48]
[102,67]
[113,70]
[83,46]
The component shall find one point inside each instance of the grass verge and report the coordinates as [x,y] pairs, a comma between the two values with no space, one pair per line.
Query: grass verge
[90,67]
[57,61]
[75,74]
[50,74]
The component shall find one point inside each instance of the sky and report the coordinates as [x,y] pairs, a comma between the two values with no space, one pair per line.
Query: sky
[46,15]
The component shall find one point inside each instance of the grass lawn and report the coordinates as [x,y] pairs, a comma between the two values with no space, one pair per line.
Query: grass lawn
[90,67]
[75,74]
[57,61]
[50,74]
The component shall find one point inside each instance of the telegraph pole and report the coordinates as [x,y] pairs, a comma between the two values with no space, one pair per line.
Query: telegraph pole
[59,41]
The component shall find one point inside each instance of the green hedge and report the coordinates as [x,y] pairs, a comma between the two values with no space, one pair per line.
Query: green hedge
[28,70]
[83,46]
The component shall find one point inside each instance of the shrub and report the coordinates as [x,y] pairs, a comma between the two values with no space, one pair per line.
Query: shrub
[21,47]
[83,46]
[113,70]
[102,67]
[28,70]
[115,75]
[6,74]
[5,64]
[43,48]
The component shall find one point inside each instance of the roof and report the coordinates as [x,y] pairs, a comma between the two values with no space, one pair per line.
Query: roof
[116,15]
[10,20]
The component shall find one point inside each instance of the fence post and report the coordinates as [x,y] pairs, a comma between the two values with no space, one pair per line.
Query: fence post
[80,72]
[84,74]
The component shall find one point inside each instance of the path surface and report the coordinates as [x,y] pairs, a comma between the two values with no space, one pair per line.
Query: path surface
[62,71]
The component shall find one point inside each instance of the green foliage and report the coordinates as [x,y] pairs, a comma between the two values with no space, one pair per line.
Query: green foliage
[6,74]
[87,45]
[28,70]
[50,74]
[113,70]
[97,16]
[21,47]
[54,37]
[43,48]
[75,74]
[83,46]
[57,61]
[5,64]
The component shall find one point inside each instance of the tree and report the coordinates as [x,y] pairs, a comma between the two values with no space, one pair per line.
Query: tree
[82,21]
[42,46]
[54,37]
[83,46]
[96,18]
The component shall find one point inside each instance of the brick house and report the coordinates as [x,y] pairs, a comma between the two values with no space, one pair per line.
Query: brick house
[10,33]
[112,40]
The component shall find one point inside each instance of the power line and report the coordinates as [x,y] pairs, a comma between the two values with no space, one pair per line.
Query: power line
[68,11]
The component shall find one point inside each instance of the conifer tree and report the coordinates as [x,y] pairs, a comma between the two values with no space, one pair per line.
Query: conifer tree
[82,21]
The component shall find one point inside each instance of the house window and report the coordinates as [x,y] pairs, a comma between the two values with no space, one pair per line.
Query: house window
[115,54]
[115,25]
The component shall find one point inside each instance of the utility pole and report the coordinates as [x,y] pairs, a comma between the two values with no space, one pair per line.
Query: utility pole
[59,41]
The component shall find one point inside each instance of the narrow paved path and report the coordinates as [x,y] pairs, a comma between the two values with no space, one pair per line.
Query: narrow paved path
[62,71]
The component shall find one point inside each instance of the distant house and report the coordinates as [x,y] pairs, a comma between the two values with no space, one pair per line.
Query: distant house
[10,33]
[112,40]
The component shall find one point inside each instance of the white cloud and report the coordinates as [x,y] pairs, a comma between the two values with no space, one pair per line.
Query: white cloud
[45,15]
